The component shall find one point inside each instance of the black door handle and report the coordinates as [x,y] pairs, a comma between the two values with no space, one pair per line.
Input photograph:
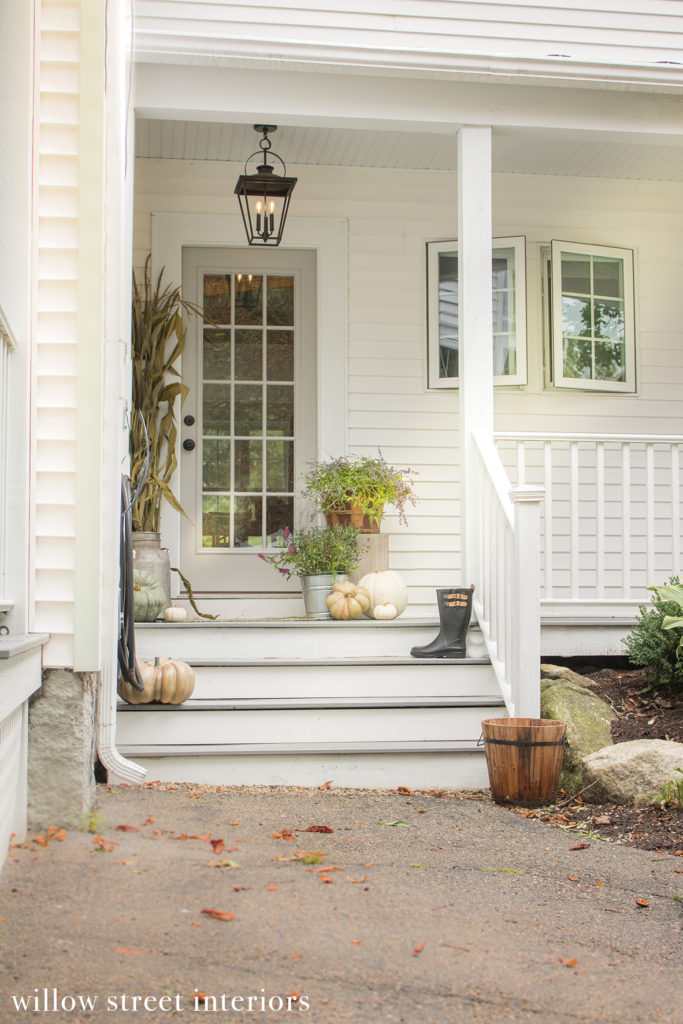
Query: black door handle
[188,444]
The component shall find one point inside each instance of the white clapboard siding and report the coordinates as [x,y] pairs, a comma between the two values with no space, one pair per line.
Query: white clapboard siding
[389,406]
[56,328]
[399,30]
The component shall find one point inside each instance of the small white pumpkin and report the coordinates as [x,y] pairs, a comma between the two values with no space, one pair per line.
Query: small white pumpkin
[347,600]
[175,614]
[385,611]
[385,587]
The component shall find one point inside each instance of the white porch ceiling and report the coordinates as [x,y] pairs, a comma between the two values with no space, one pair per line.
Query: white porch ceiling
[523,151]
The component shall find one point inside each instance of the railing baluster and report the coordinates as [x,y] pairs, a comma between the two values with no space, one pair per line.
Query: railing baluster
[521,463]
[676,509]
[600,519]
[574,518]
[650,513]
[626,519]
[548,518]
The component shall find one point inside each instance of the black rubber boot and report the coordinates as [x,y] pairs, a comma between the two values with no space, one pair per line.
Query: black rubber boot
[455,610]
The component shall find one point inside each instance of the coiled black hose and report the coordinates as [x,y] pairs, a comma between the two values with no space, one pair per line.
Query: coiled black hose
[128,665]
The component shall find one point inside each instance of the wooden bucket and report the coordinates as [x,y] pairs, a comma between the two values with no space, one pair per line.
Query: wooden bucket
[524,759]
[352,516]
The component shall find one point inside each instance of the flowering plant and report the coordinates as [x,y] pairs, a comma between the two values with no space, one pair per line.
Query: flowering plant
[332,550]
[369,483]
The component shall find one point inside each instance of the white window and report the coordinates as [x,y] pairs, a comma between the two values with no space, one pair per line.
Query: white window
[592,317]
[509,312]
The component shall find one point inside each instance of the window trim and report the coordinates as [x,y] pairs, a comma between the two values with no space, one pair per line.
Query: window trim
[434,250]
[557,377]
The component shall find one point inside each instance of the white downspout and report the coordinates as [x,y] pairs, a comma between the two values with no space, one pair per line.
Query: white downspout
[112,758]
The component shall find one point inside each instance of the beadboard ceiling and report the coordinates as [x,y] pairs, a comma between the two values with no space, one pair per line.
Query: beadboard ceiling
[578,153]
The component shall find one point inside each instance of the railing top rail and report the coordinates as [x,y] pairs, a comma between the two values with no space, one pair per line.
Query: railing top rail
[532,435]
[497,474]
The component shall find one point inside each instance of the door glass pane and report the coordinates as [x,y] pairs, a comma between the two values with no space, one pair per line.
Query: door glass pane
[248,299]
[280,410]
[280,466]
[280,355]
[248,355]
[216,301]
[216,408]
[279,513]
[280,301]
[249,466]
[216,465]
[215,521]
[248,522]
[216,354]
[248,410]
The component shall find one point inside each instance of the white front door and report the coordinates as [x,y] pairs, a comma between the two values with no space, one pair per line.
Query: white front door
[248,424]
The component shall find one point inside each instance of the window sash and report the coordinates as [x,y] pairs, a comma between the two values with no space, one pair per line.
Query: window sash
[581,299]
[508,302]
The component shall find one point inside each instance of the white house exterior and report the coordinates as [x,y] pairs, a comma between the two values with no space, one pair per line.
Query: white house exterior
[413,128]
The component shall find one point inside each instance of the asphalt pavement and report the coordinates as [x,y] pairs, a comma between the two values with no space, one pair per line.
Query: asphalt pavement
[334,907]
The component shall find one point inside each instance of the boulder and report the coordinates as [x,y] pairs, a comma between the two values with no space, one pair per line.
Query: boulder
[565,697]
[632,773]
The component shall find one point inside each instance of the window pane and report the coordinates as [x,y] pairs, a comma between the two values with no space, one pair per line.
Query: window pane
[216,418]
[280,466]
[576,316]
[280,301]
[215,521]
[216,354]
[248,520]
[608,319]
[280,359]
[217,298]
[280,411]
[216,465]
[577,358]
[248,410]
[610,361]
[248,299]
[608,277]
[248,355]
[248,465]
[501,312]
[279,513]
[504,356]
[576,273]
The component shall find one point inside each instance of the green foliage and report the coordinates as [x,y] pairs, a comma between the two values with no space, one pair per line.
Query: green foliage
[157,340]
[671,794]
[653,642]
[371,483]
[322,549]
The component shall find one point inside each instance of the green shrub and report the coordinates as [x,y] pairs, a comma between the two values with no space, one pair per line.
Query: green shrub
[652,645]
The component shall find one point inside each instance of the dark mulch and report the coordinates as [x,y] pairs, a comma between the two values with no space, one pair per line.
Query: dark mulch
[642,713]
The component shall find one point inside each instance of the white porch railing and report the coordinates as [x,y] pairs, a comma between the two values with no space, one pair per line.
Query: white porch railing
[6,346]
[504,559]
[611,523]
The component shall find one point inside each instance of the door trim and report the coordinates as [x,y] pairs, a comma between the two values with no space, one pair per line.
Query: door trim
[328,238]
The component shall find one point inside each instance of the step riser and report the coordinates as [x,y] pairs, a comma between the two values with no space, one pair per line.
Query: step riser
[357,771]
[310,726]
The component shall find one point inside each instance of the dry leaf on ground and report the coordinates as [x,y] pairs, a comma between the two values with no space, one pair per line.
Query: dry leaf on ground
[219,915]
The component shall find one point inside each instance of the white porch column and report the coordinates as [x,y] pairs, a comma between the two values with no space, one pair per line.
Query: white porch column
[475,327]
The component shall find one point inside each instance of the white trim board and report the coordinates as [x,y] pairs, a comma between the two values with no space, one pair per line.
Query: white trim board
[328,237]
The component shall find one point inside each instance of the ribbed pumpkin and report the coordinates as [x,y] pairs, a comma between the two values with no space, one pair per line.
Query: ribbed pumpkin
[149,597]
[347,600]
[165,681]
[175,614]
[385,587]
[384,611]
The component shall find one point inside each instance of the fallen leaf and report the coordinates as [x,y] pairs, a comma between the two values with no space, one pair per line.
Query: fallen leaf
[199,997]
[218,845]
[196,924]
[369,864]
[234,823]
[297,956]
[642,903]
[572,878]
[393,824]
[316,828]
[357,881]
[580,846]
[149,820]
[205,838]
[599,885]
[355,942]
[326,869]
[126,863]
[284,833]
[131,952]
[104,844]
[293,996]
[569,963]
[418,949]
[272,887]
[325,878]
[56,833]
[41,840]
[127,828]
[182,836]
[405,791]
[228,863]
[219,915]
[326,785]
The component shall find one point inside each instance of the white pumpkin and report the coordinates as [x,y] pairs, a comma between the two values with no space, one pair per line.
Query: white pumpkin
[175,614]
[385,611]
[385,587]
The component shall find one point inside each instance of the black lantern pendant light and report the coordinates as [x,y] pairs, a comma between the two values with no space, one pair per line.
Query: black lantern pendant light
[264,196]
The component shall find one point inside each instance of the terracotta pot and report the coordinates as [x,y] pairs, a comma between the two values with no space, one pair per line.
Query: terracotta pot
[352,516]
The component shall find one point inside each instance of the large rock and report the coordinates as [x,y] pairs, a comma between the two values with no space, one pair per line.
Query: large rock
[565,697]
[632,773]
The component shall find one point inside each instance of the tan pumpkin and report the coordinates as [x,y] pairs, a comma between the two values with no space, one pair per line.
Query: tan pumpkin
[165,681]
[347,600]
[175,614]
[385,587]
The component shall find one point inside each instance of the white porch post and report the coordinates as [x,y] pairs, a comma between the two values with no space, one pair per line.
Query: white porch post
[526,602]
[475,326]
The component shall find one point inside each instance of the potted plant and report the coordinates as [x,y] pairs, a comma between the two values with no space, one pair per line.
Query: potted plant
[318,556]
[157,340]
[354,489]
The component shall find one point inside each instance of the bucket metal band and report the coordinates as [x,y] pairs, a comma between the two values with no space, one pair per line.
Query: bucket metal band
[527,743]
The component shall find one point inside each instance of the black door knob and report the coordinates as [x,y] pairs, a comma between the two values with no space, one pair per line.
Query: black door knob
[188,444]
[188,420]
